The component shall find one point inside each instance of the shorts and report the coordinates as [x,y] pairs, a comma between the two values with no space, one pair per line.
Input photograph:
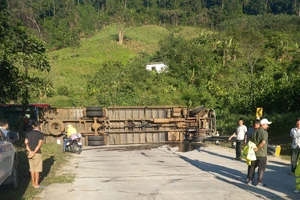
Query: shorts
[36,163]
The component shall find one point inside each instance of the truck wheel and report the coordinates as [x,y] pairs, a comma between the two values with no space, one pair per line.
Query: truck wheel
[12,180]
[96,143]
[196,110]
[94,114]
[94,108]
[96,138]
[55,127]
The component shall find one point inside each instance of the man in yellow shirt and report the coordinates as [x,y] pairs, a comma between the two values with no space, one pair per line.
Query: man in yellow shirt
[70,131]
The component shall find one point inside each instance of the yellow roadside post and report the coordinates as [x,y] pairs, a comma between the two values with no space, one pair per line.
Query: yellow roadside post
[259,112]
[277,151]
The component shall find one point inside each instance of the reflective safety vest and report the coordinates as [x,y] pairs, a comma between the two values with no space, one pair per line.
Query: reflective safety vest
[297,175]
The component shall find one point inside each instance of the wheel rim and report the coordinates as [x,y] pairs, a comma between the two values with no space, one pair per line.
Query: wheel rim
[55,127]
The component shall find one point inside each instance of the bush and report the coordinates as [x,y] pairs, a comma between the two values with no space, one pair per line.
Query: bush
[63,90]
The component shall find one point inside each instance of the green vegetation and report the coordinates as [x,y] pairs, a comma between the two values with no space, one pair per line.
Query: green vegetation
[19,54]
[232,56]
[229,55]
[74,68]
[53,159]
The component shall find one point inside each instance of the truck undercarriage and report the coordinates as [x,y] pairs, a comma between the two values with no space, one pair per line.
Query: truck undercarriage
[131,124]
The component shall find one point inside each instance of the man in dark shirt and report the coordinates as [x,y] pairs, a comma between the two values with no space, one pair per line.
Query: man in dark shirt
[248,136]
[33,141]
[260,138]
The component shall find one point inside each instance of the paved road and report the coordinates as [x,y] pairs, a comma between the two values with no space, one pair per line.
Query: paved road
[166,173]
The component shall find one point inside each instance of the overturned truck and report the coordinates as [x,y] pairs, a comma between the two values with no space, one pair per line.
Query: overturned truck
[130,125]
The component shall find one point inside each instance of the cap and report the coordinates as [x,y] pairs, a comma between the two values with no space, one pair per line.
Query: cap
[265,121]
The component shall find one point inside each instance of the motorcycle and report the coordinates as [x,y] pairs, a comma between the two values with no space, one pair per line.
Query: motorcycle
[73,145]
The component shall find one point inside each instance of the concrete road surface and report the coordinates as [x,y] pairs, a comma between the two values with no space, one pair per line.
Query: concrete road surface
[162,172]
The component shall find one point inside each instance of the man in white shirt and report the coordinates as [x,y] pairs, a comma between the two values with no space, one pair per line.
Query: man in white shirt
[295,134]
[240,137]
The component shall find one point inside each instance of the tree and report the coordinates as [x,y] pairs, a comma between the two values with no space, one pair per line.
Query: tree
[255,7]
[22,58]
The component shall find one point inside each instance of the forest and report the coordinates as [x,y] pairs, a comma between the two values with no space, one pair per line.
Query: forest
[247,56]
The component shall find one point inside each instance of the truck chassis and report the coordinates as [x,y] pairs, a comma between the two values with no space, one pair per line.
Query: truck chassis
[131,124]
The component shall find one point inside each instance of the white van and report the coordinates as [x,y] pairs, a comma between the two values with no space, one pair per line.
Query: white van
[8,160]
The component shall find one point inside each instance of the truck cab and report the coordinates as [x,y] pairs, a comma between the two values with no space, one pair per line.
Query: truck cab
[8,160]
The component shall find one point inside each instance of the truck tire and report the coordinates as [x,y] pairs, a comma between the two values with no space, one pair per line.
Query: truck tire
[96,138]
[96,143]
[94,108]
[12,180]
[94,114]
[196,110]
[55,127]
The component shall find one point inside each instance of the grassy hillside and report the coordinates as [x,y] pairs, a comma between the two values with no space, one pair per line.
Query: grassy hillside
[72,67]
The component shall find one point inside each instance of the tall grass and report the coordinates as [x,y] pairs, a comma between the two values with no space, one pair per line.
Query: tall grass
[72,68]
[53,159]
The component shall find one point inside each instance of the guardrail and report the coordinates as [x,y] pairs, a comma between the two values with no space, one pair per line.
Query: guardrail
[272,149]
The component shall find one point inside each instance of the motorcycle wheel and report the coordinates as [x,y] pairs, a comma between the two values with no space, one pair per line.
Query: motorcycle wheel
[77,149]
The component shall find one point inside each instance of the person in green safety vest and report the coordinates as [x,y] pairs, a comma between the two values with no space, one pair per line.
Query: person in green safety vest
[297,176]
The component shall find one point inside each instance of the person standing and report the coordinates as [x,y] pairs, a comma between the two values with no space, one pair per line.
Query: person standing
[33,141]
[295,134]
[260,138]
[250,131]
[240,136]
[70,131]
[4,127]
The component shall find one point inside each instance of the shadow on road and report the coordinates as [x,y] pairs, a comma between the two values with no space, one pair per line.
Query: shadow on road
[279,163]
[47,164]
[276,178]
[215,154]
